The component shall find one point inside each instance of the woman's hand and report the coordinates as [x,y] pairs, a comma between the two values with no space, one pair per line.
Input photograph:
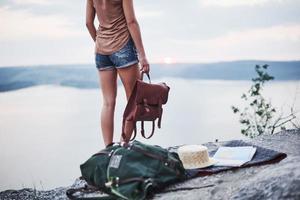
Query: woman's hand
[145,67]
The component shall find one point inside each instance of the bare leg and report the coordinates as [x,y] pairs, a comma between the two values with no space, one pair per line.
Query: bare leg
[128,76]
[108,82]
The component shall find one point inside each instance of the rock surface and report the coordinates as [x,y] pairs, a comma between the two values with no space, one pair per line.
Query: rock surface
[274,181]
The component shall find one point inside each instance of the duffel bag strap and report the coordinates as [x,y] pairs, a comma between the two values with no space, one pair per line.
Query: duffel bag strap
[143,130]
[150,154]
[187,188]
[115,181]
[145,184]
[87,190]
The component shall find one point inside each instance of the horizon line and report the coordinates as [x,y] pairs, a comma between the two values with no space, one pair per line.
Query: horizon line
[155,63]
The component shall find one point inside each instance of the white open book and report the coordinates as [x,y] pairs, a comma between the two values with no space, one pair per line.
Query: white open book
[234,156]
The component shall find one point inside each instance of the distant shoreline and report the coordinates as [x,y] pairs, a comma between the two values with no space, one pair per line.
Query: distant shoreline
[85,76]
[158,63]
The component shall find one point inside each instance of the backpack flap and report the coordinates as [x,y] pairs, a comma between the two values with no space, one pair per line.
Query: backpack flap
[145,112]
[152,93]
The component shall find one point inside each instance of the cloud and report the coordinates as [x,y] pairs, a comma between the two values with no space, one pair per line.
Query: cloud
[276,42]
[23,25]
[216,30]
[142,14]
[274,33]
[32,2]
[233,3]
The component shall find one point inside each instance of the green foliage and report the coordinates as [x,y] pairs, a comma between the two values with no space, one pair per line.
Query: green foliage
[256,119]
[258,116]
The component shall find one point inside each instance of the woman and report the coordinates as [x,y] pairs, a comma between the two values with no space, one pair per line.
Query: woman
[118,50]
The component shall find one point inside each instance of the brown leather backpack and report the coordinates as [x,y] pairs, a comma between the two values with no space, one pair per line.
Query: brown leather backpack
[145,104]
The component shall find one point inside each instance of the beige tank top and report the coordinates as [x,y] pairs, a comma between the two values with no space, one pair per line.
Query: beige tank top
[112,33]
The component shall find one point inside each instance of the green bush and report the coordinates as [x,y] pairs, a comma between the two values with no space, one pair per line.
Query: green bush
[258,117]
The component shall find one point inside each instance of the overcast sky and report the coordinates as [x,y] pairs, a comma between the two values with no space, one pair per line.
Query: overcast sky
[36,32]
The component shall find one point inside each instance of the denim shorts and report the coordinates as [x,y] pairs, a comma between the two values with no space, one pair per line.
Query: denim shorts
[122,58]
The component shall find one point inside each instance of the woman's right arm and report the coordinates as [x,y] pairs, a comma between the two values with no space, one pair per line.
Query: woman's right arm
[90,17]
[135,32]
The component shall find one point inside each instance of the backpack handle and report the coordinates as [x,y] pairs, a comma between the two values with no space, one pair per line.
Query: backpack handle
[143,130]
[148,76]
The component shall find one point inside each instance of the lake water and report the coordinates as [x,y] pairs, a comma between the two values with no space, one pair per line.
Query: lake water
[46,132]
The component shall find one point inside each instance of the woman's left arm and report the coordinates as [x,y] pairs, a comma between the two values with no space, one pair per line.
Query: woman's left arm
[135,32]
[90,17]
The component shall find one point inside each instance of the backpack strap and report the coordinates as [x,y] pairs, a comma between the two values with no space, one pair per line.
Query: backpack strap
[160,113]
[134,132]
[159,121]
[143,130]
[123,130]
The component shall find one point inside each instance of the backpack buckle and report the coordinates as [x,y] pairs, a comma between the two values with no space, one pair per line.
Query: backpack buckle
[108,184]
[113,182]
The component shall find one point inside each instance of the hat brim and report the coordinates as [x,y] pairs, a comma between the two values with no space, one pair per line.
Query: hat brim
[210,162]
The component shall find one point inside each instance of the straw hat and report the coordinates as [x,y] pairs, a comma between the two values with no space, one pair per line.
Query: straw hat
[194,156]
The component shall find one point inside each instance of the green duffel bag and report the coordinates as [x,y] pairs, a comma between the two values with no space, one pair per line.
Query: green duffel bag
[131,171]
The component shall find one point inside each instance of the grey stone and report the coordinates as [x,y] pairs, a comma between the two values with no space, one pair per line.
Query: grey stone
[274,181]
